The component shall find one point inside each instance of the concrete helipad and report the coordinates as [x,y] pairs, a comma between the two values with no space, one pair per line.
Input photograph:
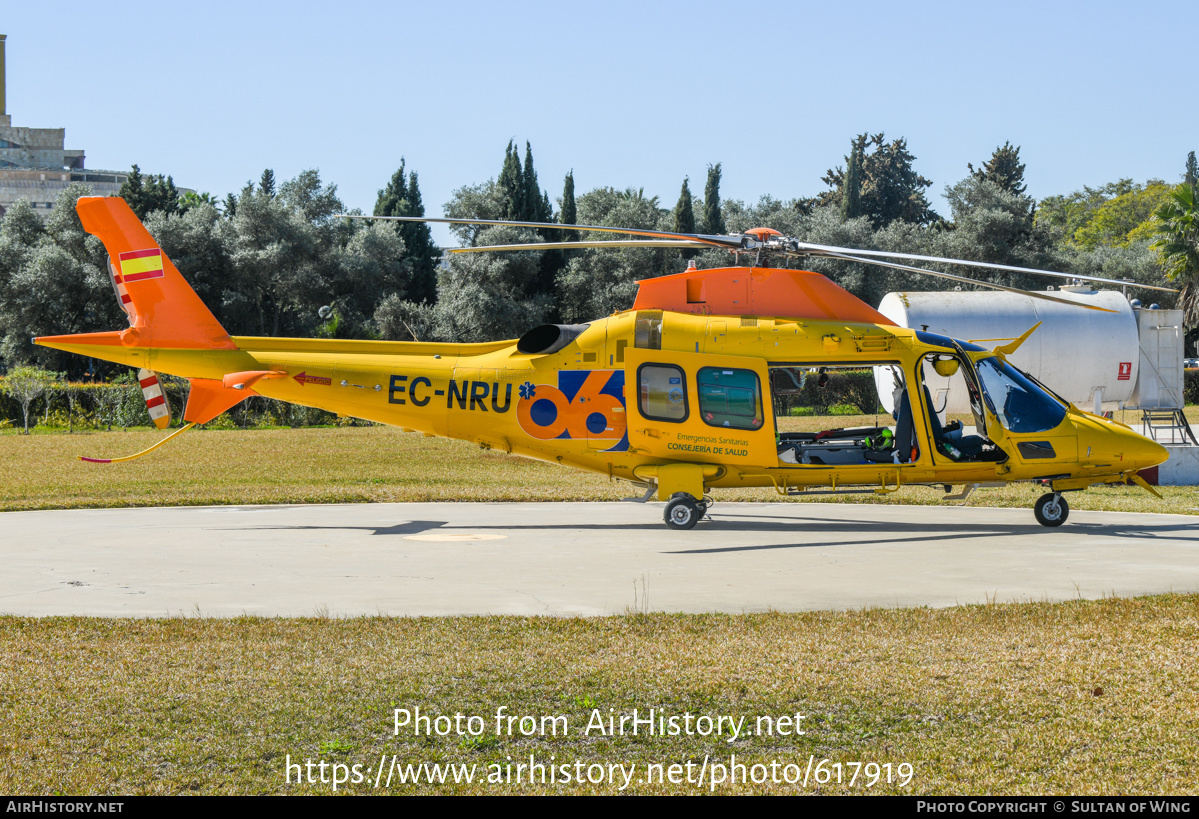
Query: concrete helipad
[573,559]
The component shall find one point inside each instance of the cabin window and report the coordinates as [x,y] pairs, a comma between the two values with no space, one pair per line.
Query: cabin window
[830,414]
[662,392]
[730,398]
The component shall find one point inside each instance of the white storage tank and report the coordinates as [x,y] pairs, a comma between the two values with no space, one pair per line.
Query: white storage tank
[1090,358]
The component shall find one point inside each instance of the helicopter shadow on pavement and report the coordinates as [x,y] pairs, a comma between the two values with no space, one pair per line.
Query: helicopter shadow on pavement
[832,532]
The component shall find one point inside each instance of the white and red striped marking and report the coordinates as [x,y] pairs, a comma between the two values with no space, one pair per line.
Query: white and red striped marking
[122,294]
[156,402]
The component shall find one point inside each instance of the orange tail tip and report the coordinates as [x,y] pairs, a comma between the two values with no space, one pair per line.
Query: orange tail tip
[166,311]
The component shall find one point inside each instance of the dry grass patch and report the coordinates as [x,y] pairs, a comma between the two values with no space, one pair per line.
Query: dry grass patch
[1082,697]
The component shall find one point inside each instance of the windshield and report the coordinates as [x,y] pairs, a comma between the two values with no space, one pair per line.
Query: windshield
[1020,405]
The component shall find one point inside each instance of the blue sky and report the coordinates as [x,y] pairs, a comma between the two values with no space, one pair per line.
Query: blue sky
[626,94]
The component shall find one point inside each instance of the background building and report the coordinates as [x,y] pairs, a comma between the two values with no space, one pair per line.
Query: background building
[35,165]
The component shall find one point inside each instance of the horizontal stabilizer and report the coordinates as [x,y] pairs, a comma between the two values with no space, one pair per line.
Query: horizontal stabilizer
[209,398]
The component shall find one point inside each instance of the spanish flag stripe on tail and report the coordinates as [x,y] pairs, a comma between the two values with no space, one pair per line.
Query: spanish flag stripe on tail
[141,254]
[149,274]
[138,265]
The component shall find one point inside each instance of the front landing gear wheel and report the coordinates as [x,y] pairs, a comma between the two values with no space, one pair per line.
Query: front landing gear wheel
[683,511]
[1051,509]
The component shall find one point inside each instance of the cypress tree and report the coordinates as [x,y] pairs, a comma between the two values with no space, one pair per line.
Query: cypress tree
[569,214]
[538,209]
[713,221]
[147,194]
[267,184]
[419,241]
[684,215]
[1004,169]
[133,192]
[851,195]
[891,189]
[511,186]
[1191,177]
[402,197]
[395,192]
[161,194]
[536,203]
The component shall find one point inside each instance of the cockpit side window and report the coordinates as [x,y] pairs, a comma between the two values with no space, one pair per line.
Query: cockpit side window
[1020,405]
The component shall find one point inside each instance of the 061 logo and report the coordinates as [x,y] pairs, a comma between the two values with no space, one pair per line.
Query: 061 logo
[586,405]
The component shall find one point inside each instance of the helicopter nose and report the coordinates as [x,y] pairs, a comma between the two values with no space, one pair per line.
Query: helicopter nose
[1136,451]
[1103,442]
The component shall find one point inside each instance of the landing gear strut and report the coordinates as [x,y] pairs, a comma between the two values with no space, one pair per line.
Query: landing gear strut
[1051,509]
[684,511]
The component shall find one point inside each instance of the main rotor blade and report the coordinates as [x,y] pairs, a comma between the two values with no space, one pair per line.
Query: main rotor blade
[964,280]
[731,242]
[964,262]
[747,243]
[685,243]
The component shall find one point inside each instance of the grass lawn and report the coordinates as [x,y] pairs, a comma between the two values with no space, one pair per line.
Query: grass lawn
[1077,698]
[1086,697]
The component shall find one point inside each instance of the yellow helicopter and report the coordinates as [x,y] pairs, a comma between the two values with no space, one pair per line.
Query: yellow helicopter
[675,395]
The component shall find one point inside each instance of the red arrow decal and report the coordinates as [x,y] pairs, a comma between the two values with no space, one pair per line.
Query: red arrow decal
[305,378]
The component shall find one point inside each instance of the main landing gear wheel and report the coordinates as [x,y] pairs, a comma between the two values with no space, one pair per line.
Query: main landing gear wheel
[683,511]
[1051,509]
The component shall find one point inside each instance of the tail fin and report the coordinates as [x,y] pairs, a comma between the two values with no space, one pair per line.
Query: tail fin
[166,311]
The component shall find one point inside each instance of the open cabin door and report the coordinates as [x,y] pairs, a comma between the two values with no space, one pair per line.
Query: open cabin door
[700,408]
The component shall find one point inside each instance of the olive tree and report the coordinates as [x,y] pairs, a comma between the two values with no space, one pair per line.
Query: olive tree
[25,385]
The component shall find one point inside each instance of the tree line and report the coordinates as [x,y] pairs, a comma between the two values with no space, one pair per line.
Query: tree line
[268,258]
